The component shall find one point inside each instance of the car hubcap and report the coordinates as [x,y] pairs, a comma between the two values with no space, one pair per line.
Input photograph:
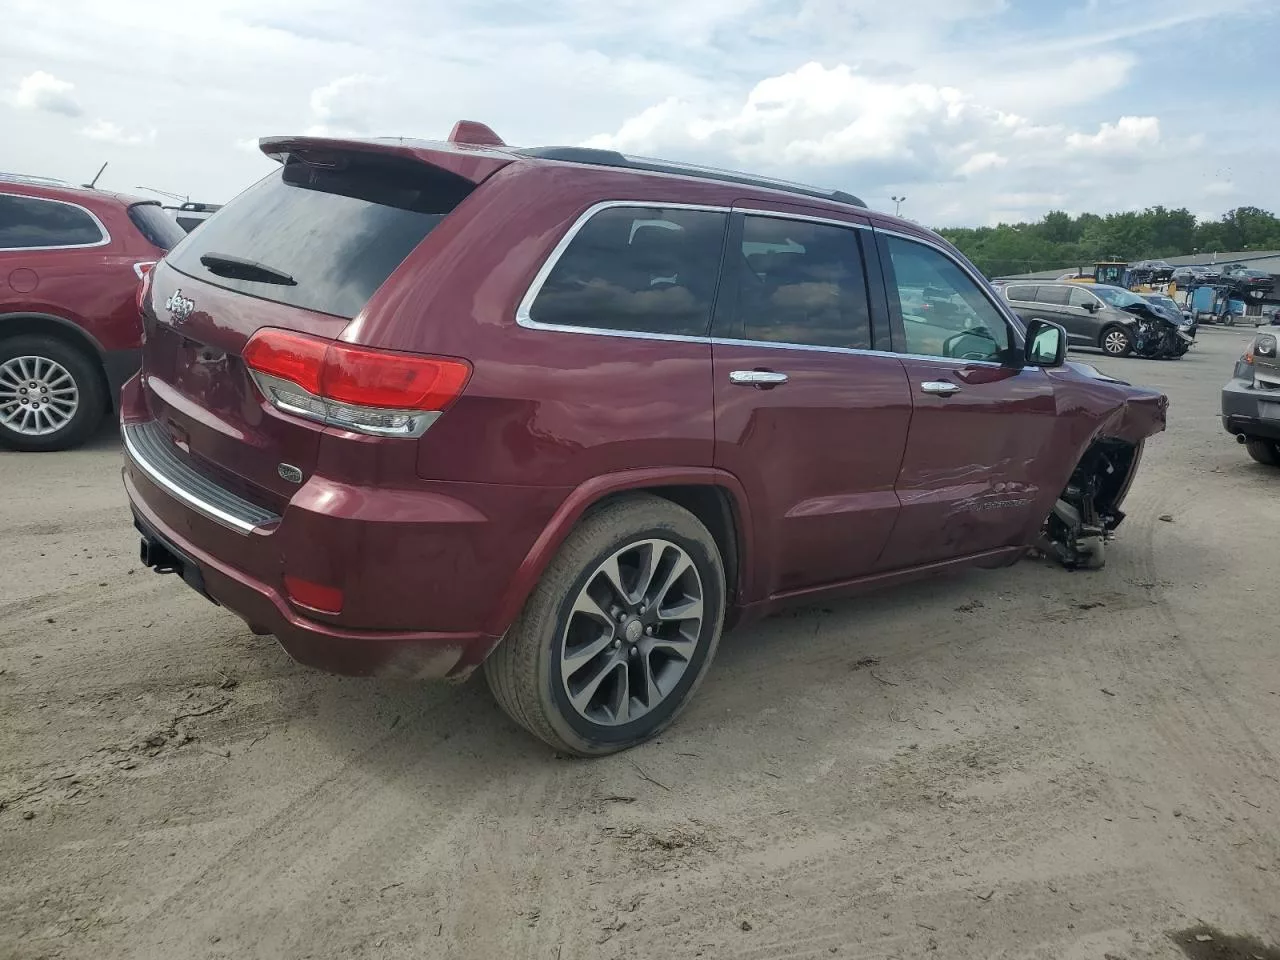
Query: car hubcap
[632,632]
[1115,342]
[37,396]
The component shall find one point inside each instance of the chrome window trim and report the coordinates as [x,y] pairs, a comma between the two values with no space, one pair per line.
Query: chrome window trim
[524,312]
[802,217]
[102,228]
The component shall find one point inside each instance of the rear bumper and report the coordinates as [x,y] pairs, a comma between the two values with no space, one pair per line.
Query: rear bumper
[431,573]
[328,647]
[1249,411]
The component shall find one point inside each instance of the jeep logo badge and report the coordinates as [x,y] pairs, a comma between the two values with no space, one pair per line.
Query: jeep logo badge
[179,307]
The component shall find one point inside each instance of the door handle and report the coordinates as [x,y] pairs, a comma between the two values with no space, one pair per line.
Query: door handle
[939,387]
[757,378]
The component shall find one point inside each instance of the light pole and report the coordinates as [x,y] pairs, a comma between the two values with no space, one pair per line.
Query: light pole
[898,202]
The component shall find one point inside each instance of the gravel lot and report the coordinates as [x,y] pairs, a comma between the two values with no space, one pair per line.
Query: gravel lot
[1019,763]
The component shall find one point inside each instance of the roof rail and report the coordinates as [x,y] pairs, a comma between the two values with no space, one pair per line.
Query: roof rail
[33,180]
[612,158]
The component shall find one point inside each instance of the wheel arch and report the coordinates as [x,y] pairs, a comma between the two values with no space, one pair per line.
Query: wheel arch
[715,497]
[50,325]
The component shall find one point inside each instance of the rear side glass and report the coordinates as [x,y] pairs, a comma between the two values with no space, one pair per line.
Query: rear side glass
[1055,296]
[330,235]
[802,283]
[1021,294]
[156,225]
[640,269]
[28,223]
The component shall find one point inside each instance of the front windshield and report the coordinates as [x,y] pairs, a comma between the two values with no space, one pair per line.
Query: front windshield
[1164,302]
[1117,296]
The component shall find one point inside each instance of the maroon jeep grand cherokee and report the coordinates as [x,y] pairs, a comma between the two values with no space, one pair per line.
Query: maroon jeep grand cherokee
[414,407]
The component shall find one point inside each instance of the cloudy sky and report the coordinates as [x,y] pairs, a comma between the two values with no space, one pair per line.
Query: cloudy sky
[977,110]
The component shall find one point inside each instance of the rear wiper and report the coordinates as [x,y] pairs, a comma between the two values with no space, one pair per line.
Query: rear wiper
[237,268]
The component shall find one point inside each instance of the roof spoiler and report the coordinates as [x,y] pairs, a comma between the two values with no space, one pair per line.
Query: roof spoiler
[471,161]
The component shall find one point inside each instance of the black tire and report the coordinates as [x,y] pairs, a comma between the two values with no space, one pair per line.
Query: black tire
[91,400]
[1264,451]
[524,671]
[1116,341]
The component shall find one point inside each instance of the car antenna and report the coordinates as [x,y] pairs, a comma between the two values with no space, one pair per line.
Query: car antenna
[92,183]
[165,193]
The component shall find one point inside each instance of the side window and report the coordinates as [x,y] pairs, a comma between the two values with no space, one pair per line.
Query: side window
[30,222]
[803,283]
[1055,296]
[944,313]
[1021,294]
[1082,298]
[644,269]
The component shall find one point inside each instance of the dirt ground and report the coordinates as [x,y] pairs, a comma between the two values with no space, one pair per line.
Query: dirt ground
[1024,763]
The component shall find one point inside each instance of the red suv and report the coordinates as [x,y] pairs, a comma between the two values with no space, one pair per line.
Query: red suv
[70,261]
[416,407]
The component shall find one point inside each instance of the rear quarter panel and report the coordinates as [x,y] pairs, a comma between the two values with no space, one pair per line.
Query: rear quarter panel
[542,408]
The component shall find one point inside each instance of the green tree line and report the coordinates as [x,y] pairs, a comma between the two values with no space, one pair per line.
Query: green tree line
[1061,240]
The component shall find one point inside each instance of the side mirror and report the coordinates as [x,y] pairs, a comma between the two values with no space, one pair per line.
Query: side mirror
[1091,306]
[1046,344]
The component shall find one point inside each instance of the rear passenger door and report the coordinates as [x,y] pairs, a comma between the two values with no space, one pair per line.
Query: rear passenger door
[807,416]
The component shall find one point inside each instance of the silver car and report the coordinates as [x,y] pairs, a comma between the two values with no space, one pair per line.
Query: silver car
[1251,398]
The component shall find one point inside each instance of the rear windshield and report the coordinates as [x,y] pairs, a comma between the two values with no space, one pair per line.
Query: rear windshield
[321,237]
[156,225]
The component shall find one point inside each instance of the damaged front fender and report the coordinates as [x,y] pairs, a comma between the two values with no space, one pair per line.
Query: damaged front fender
[1087,512]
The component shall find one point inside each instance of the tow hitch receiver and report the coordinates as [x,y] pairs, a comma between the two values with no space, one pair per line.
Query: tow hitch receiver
[163,557]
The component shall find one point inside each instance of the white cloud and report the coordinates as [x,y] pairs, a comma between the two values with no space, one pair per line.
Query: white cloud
[979,162]
[1125,136]
[926,97]
[44,91]
[105,131]
[347,105]
[816,116]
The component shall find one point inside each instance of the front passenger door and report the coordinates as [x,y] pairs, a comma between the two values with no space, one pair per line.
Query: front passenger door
[1085,327]
[980,419]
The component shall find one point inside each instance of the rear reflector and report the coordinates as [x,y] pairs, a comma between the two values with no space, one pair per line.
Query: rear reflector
[314,595]
[379,392]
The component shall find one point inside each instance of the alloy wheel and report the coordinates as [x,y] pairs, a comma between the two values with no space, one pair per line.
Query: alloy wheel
[1115,342]
[632,632]
[38,396]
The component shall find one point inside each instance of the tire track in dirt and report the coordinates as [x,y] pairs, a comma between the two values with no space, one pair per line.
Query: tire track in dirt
[1208,743]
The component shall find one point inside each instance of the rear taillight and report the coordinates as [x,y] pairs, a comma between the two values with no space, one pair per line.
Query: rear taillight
[143,270]
[378,392]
